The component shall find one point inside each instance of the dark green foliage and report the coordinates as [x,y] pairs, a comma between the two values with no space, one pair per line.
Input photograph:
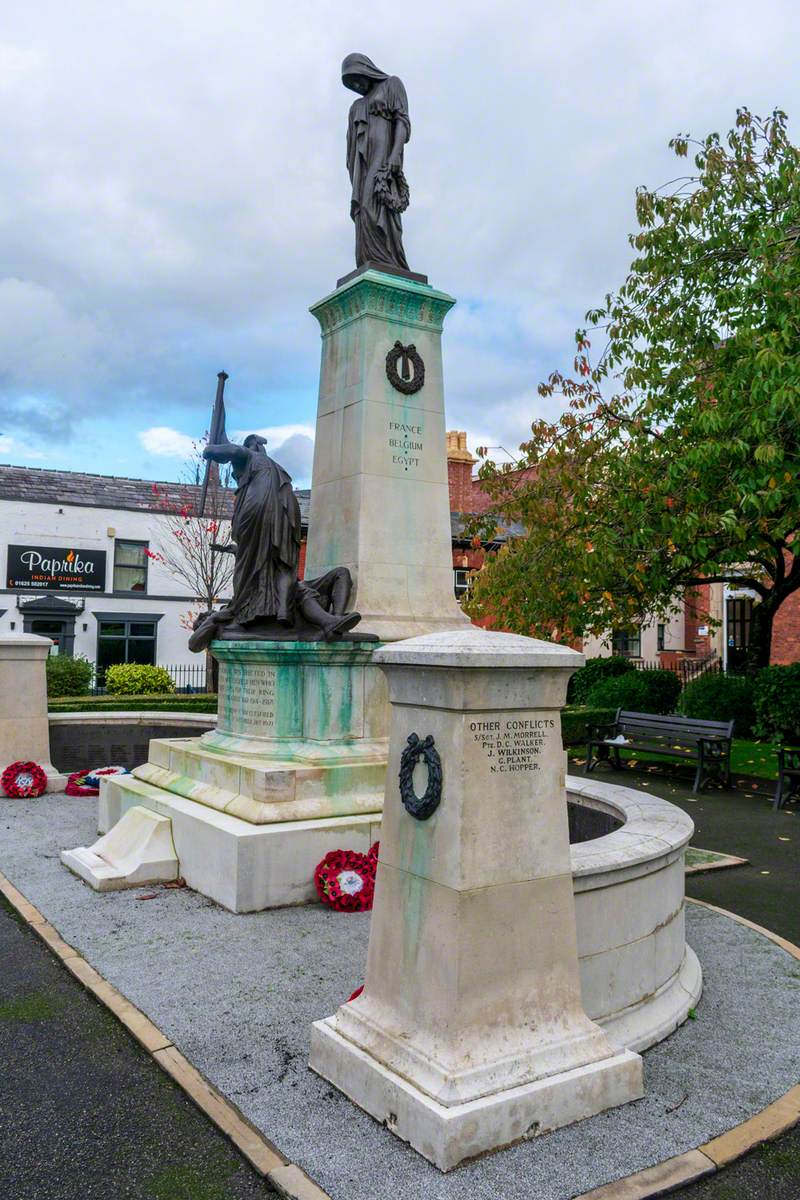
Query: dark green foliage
[638,691]
[595,671]
[720,698]
[776,698]
[575,722]
[68,676]
[200,702]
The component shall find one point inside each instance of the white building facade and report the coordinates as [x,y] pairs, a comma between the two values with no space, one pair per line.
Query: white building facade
[80,556]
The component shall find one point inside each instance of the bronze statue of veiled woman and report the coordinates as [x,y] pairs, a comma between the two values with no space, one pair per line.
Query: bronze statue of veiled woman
[378,129]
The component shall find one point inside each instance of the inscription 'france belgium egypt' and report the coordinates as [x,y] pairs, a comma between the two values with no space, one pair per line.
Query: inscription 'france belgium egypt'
[513,744]
[404,440]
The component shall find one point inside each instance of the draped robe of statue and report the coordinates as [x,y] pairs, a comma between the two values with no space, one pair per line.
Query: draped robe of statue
[266,529]
[372,134]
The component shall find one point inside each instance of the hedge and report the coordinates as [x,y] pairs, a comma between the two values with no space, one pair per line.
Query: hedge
[138,679]
[776,699]
[638,691]
[596,670]
[67,676]
[199,702]
[716,697]
[575,720]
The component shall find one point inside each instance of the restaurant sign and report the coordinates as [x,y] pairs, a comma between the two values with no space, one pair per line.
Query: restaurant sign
[56,569]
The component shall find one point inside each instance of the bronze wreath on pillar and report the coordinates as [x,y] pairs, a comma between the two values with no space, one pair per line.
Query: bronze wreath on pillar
[404,380]
[420,807]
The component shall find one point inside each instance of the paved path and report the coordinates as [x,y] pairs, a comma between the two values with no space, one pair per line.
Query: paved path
[116,1125]
[768,892]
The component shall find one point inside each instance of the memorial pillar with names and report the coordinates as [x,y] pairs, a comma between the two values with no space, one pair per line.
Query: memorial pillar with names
[379,497]
[470,1033]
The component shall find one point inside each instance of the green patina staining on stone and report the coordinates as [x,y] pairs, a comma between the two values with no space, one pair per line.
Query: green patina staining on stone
[419,872]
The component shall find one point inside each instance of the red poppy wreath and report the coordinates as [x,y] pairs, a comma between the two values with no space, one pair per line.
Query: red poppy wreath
[87,783]
[22,780]
[345,880]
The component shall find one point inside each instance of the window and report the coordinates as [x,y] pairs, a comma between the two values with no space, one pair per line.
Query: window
[660,636]
[627,642]
[122,639]
[460,581]
[130,566]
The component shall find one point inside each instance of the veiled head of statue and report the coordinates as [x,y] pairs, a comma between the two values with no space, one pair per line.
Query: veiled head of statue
[254,441]
[359,73]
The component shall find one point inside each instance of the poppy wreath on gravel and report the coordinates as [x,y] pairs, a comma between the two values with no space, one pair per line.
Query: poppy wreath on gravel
[87,783]
[23,780]
[345,879]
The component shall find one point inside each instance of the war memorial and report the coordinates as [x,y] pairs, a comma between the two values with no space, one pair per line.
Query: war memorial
[527,941]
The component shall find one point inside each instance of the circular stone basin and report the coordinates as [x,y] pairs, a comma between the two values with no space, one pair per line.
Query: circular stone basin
[639,979]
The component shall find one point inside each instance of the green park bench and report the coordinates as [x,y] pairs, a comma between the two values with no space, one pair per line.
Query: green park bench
[708,743]
[788,787]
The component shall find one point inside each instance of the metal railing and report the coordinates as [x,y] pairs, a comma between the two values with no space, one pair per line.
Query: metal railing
[686,669]
[188,678]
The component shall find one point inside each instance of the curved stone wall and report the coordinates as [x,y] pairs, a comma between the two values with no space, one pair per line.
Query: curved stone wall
[638,977]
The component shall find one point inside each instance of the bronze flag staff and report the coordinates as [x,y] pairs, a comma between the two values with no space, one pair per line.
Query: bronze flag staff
[216,435]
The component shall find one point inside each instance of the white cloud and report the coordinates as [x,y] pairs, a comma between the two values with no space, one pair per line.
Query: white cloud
[166,442]
[19,451]
[277,434]
[163,217]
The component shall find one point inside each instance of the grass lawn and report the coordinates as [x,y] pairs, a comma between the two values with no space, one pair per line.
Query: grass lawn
[747,758]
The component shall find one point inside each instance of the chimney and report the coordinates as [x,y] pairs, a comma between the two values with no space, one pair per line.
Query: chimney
[459,471]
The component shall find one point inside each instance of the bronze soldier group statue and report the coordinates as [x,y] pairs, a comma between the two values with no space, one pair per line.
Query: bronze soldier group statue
[269,601]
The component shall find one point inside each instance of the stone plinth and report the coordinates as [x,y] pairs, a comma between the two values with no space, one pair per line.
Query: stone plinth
[379,495]
[470,1032]
[296,767]
[24,730]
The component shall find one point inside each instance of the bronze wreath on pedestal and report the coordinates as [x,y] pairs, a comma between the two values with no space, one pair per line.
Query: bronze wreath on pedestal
[420,807]
[404,381]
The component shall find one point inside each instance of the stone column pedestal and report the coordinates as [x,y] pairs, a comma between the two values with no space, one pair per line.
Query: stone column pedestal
[379,495]
[470,1032]
[24,728]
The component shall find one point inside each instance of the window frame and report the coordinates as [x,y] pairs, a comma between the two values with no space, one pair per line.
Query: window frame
[145,546]
[127,619]
[629,637]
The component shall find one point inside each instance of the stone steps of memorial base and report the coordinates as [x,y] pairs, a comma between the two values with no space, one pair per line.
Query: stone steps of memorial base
[264,792]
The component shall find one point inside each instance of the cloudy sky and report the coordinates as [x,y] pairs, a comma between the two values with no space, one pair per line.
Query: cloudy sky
[173,197]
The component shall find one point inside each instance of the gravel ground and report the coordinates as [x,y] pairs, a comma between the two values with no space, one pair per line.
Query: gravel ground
[237,994]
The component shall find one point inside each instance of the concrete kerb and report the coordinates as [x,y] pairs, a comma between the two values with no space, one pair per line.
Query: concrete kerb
[290,1181]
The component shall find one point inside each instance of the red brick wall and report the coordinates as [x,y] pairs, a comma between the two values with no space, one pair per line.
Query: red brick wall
[459,478]
[786,632]
[696,609]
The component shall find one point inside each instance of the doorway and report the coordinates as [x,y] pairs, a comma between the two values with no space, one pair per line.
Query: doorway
[738,613]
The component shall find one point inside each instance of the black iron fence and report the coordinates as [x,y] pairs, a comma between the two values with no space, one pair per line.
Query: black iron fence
[188,678]
[686,669]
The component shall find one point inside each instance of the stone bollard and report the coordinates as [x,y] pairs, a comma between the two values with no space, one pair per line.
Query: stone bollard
[24,727]
[470,1032]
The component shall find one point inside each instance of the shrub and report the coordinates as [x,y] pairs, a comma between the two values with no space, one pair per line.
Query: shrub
[137,679]
[68,676]
[776,699]
[638,691]
[720,698]
[595,671]
[575,723]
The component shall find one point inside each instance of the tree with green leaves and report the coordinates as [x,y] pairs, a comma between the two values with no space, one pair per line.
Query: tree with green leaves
[675,460]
